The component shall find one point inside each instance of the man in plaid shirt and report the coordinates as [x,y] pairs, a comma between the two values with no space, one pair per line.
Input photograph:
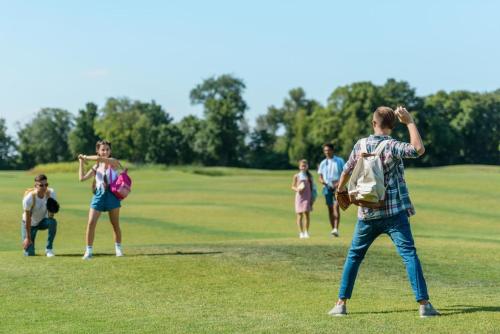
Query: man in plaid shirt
[392,218]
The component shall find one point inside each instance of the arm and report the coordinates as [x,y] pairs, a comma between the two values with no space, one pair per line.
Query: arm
[344,178]
[27,239]
[415,139]
[81,175]
[294,183]
[109,161]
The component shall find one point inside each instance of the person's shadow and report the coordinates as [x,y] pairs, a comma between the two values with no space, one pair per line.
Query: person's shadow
[143,254]
[463,309]
[445,311]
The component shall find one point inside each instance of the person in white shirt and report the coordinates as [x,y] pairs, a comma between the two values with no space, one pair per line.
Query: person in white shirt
[329,172]
[36,217]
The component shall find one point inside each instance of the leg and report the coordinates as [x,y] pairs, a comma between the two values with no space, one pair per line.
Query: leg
[30,251]
[331,216]
[364,235]
[299,222]
[401,236]
[336,215]
[52,227]
[93,217]
[114,218]
[308,220]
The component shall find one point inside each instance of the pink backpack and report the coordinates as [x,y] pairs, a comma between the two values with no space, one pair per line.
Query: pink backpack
[121,186]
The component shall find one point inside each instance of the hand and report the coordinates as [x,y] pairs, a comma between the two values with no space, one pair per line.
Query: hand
[403,115]
[26,243]
[82,157]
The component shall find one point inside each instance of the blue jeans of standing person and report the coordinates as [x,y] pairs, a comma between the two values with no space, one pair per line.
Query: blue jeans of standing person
[398,229]
[46,223]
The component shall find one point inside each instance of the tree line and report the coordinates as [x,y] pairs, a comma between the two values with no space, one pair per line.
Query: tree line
[458,127]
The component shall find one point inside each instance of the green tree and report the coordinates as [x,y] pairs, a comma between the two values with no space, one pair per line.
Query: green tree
[45,138]
[132,127]
[189,146]
[221,140]
[82,138]
[7,148]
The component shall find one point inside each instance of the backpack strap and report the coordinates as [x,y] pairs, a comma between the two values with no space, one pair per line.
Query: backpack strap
[33,199]
[380,148]
[362,143]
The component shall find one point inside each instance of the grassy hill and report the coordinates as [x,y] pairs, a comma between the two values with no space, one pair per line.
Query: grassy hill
[215,250]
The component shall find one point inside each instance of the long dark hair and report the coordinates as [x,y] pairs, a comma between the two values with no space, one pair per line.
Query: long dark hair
[309,175]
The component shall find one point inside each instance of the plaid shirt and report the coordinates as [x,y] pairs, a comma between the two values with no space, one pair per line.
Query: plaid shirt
[397,198]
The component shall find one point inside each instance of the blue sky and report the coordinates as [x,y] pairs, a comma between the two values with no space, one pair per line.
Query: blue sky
[66,53]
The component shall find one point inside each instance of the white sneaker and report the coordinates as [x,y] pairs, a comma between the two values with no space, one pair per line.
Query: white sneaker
[335,232]
[119,251]
[306,235]
[338,310]
[301,235]
[428,310]
[87,256]
[49,253]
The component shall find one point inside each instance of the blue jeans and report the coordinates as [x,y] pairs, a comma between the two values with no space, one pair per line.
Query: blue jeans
[46,223]
[398,228]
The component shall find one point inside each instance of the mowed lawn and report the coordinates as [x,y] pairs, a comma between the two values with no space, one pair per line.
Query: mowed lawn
[214,250]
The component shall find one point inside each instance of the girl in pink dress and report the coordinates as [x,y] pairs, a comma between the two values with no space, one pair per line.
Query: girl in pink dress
[303,186]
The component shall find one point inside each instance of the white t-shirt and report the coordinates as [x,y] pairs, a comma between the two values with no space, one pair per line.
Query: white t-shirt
[100,172]
[40,210]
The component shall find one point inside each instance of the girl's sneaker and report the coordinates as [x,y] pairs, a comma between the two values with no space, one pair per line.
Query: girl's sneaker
[306,235]
[301,235]
[49,253]
[87,256]
[119,251]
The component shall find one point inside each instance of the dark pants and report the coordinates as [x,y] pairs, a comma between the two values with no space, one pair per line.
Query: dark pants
[46,223]
[398,228]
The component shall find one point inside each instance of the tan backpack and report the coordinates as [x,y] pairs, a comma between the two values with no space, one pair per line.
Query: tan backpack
[366,186]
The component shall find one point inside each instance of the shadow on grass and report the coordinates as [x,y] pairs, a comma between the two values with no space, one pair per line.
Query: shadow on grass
[464,309]
[142,254]
[447,311]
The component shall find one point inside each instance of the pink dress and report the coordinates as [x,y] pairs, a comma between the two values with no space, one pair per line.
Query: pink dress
[303,199]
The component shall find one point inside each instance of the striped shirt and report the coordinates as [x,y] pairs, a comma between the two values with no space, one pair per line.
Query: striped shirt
[397,198]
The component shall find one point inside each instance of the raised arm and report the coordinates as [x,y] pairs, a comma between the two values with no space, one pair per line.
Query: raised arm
[81,174]
[415,139]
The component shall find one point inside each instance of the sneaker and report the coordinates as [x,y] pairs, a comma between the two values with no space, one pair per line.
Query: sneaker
[87,256]
[428,310]
[49,253]
[335,232]
[301,235]
[339,310]
[306,235]
[119,251]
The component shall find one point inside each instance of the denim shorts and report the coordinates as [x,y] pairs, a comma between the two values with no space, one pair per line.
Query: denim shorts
[329,196]
[104,200]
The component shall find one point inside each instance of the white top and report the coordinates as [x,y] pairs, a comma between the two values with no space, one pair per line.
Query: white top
[39,210]
[100,171]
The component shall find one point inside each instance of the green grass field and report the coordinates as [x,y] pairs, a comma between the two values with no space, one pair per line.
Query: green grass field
[216,251]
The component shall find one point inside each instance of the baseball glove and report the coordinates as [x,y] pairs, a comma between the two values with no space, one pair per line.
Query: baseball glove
[343,199]
[52,205]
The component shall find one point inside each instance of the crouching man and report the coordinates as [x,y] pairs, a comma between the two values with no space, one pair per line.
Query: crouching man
[39,207]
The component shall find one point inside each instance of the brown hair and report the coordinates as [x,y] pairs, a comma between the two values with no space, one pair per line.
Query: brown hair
[101,142]
[308,173]
[386,116]
[40,178]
